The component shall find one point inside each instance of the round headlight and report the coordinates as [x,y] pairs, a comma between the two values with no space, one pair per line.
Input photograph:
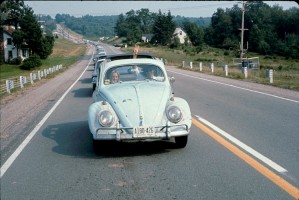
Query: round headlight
[106,118]
[174,114]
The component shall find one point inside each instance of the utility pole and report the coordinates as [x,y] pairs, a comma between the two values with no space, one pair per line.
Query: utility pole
[242,32]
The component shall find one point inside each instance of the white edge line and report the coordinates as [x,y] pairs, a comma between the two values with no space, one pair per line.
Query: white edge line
[16,153]
[236,87]
[237,142]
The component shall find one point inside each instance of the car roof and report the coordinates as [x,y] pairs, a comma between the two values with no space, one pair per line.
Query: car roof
[109,64]
[113,57]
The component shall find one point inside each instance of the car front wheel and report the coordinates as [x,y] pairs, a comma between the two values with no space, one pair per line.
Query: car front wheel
[181,142]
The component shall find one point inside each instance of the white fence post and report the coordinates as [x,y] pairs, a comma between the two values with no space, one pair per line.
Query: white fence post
[191,64]
[245,71]
[200,66]
[31,78]
[9,85]
[39,75]
[226,70]
[23,81]
[271,75]
[212,67]
[183,64]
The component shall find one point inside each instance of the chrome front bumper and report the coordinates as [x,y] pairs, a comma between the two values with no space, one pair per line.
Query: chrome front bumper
[125,133]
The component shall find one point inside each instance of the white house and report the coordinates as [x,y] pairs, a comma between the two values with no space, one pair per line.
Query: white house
[9,49]
[179,33]
[147,37]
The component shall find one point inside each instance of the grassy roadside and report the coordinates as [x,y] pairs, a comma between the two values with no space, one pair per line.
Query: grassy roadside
[285,75]
[64,52]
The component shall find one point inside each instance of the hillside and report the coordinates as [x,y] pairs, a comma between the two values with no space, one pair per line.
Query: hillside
[103,26]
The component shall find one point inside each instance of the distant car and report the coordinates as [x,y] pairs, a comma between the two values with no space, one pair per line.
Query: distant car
[100,49]
[96,72]
[99,56]
[139,105]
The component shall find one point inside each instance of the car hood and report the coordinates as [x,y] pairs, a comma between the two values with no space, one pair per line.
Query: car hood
[141,104]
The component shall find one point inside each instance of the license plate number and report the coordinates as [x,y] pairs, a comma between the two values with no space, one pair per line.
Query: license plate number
[142,131]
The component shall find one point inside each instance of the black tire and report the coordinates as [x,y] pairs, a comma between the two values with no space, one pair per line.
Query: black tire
[181,142]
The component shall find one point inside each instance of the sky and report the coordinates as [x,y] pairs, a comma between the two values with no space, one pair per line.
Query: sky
[103,8]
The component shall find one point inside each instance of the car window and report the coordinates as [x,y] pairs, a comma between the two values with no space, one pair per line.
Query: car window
[126,73]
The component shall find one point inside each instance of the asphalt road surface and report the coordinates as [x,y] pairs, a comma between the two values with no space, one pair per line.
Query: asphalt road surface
[243,144]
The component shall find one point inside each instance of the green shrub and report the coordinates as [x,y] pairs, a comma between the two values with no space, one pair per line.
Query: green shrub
[31,63]
[16,61]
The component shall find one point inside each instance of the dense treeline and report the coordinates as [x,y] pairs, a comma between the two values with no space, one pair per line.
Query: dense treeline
[89,26]
[135,23]
[271,30]
[27,31]
[104,26]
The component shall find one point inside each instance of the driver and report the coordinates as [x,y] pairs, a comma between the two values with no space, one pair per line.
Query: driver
[114,76]
[151,74]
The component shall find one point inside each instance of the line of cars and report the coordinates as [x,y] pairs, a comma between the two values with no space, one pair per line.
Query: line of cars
[134,101]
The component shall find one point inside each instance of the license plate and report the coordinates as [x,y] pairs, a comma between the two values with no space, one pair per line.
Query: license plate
[143,131]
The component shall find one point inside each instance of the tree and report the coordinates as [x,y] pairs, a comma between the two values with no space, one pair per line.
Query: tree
[146,20]
[31,29]
[163,28]
[46,48]
[18,38]
[195,33]
[134,31]
[12,12]
[222,25]
[120,27]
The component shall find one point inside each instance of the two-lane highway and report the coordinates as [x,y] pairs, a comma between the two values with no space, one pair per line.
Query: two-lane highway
[59,162]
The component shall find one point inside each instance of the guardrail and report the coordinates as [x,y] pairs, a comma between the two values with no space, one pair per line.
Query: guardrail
[7,85]
[210,67]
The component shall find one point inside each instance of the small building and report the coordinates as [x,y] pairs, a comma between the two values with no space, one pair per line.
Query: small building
[179,33]
[8,48]
[147,37]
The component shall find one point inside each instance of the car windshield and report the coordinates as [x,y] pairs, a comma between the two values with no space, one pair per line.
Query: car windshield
[142,72]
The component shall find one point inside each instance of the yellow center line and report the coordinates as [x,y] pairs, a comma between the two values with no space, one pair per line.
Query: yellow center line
[283,184]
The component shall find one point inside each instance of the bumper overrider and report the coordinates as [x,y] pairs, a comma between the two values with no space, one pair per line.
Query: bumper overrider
[126,133]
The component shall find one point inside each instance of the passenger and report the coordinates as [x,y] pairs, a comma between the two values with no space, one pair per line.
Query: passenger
[135,51]
[114,76]
[151,74]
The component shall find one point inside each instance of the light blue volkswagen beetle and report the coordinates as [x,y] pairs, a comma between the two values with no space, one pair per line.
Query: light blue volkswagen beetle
[133,100]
